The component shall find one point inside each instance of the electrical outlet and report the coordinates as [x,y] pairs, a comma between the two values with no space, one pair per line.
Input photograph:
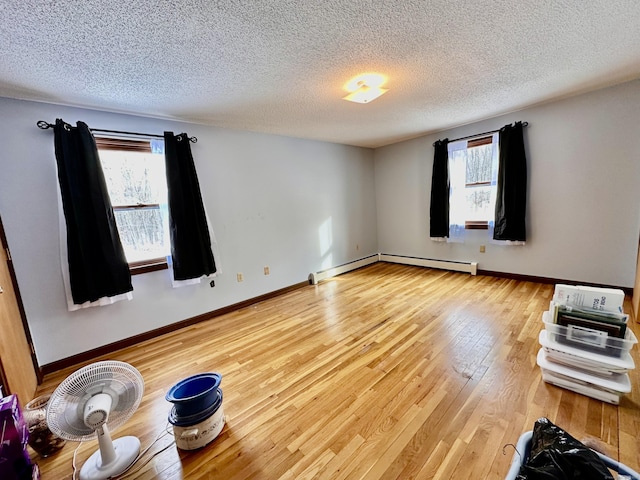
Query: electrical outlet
[482,248]
[240,277]
[266,270]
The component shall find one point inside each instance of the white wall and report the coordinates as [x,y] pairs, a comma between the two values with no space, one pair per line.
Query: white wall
[295,205]
[584,203]
[300,206]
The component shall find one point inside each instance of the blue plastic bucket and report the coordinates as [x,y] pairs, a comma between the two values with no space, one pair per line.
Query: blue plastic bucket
[194,395]
[183,421]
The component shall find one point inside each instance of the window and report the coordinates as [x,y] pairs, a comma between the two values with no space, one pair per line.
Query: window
[473,167]
[136,180]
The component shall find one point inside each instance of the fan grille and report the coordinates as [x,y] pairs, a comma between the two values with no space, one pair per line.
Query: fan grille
[120,380]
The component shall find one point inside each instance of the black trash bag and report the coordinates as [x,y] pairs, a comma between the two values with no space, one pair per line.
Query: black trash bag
[557,455]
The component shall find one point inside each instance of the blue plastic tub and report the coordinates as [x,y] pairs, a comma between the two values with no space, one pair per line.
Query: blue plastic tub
[184,421]
[194,395]
[524,447]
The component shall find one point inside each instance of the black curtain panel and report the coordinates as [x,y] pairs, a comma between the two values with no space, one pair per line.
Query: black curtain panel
[439,210]
[97,265]
[190,240]
[511,200]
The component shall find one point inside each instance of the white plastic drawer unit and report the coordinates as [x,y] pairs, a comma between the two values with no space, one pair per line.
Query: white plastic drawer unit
[593,340]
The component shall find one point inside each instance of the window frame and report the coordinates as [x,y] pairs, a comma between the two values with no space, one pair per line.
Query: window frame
[133,145]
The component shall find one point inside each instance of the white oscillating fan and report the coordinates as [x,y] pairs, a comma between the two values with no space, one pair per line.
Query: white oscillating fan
[86,401]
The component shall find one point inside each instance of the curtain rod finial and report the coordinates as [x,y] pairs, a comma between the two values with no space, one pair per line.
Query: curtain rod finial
[191,139]
[43,125]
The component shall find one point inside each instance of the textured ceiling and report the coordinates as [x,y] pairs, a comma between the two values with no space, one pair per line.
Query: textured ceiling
[280,66]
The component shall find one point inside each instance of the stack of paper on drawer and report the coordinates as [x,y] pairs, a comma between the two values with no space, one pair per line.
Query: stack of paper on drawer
[586,343]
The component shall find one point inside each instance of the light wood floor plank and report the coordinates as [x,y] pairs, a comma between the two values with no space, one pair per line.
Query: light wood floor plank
[387,372]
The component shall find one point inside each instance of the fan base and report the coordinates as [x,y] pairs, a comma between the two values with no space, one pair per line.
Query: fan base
[127,449]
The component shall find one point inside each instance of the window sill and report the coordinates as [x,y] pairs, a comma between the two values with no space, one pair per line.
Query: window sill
[476,225]
[154,265]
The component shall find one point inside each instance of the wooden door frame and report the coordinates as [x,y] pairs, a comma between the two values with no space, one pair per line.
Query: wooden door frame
[23,316]
[3,381]
[635,300]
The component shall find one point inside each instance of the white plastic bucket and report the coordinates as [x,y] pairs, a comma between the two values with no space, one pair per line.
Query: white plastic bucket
[192,437]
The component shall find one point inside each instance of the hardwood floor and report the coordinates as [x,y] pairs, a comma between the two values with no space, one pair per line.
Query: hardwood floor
[387,372]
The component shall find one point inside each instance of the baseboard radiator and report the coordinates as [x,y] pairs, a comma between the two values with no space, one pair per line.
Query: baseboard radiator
[465,267]
[316,277]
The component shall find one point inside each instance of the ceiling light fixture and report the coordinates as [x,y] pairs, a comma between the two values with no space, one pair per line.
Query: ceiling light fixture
[365,88]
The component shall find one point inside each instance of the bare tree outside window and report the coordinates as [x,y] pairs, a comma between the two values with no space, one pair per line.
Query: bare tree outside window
[473,167]
[478,182]
[137,187]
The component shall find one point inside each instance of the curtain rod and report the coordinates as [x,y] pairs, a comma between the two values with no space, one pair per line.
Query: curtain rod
[524,124]
[45,125]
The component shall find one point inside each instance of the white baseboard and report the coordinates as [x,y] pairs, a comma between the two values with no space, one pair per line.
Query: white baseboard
[466,267]
[316,277]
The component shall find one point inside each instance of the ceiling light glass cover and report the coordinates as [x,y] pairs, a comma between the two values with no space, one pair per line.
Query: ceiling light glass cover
[365,88]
